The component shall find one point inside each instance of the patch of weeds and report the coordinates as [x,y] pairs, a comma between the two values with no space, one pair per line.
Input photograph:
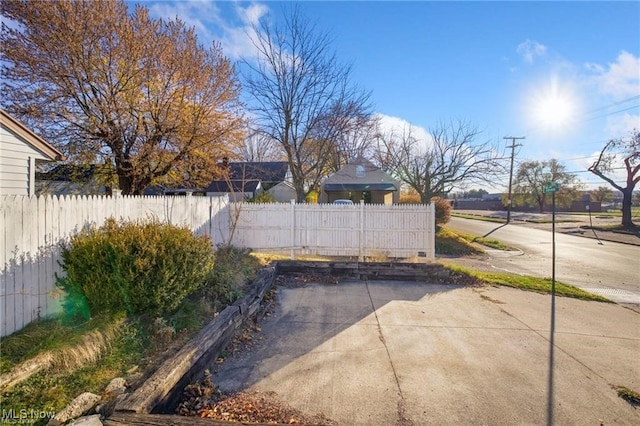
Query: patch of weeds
[628,395]
[488,242]
[194,312]
[451,244]
[634,230]
[234,268]
[52,391]
[477,217]
[527,282]
[544,220]
[48,336]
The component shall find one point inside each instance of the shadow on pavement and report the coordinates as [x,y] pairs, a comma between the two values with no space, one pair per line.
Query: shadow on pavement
[307,317]
[494,230]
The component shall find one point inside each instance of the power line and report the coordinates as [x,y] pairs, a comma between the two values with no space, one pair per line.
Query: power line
[586,116]
[623,101]
[610,113]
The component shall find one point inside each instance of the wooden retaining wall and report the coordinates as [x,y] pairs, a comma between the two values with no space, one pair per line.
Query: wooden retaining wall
[162,391]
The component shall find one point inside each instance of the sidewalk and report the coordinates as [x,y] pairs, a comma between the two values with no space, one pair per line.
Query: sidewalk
[406,353]
[573,224]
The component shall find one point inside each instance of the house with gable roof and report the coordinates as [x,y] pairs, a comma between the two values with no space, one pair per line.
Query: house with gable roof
[242,180]
[21,150]
[361,180]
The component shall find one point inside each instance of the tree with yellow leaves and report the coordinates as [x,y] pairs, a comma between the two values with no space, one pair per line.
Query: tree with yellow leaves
[109,86]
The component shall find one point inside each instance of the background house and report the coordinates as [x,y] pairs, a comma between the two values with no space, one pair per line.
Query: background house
[237,189]
[21,151]
[361,180]
[72,179]
[246,179]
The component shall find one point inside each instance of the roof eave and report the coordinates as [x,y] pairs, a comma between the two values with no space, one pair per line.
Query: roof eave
[31,138]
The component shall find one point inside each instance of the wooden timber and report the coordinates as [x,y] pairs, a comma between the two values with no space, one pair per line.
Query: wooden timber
[136,419]
[161,392]
[368,270]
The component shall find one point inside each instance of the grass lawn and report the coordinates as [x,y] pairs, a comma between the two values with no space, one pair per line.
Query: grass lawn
[478,217]
[527,282]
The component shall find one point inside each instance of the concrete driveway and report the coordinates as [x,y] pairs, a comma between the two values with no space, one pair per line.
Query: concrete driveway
[405,353]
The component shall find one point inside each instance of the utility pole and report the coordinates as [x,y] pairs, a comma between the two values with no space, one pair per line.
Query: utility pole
[513,147]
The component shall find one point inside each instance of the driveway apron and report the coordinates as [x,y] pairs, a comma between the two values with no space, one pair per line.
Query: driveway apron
[383,353]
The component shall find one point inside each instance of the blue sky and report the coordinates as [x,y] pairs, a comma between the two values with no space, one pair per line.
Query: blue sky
[504,66]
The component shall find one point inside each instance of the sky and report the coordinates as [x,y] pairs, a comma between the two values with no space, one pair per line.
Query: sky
[563,75]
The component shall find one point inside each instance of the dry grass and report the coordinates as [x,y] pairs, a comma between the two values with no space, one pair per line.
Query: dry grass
[65,359]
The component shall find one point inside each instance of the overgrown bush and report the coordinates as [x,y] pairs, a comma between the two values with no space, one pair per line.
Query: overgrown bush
[443,210]
[262,197]
[233,269]
[134,267]
[312,197]
[409,198]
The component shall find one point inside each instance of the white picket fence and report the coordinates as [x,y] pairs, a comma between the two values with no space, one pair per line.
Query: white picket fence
[364,230]
[31,229]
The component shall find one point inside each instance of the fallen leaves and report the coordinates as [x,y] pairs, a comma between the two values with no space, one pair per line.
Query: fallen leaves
[202,399]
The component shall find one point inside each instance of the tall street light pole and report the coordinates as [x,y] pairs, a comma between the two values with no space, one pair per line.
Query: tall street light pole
[512,146]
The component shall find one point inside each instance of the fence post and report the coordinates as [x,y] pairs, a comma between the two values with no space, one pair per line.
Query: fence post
[431,230]
[361,233]
[293,229]
[117,198]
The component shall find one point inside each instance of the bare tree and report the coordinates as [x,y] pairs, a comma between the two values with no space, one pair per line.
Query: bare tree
[533,176]
[107,86]
[435,167]
[258,147]
[302,97]
[627,152]
[602,194]
[357,140]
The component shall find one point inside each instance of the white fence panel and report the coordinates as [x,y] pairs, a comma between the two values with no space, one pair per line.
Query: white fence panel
[363,230]
[31,229]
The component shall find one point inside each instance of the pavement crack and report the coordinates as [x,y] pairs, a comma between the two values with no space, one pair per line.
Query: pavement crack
[402,420]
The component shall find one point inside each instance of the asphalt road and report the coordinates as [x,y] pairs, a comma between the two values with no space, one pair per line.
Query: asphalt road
[610,269]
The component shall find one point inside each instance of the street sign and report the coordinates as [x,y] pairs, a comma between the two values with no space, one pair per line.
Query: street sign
[551,187]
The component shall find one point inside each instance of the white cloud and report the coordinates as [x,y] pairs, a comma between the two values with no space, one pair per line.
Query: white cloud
[399,126]
[237,41]
[234,32]
[200,15]
[620,79]
[252,14]
[620,126]
[529,49]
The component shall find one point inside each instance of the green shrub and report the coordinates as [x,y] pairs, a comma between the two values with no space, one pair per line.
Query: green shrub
[443,210]
[262,197]
[233,269]
[133,267]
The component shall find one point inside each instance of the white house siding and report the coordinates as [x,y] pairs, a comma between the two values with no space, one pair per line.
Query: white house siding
[283,192]
[17,164]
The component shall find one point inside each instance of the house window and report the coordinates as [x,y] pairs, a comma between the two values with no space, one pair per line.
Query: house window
[360,171]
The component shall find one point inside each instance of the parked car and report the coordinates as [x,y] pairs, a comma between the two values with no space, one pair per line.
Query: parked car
[343,202]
